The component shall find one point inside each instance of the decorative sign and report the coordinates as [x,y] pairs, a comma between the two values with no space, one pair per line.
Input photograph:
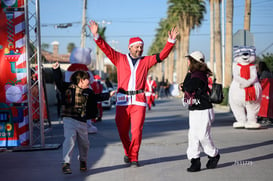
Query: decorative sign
[13,79]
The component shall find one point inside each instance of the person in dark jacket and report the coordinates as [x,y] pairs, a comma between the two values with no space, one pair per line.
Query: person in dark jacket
[265,77]
[79,103]
[263,71]
[201,114]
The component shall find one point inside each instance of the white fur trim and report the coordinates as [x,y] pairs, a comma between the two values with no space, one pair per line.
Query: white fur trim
[171,40]
[68,74]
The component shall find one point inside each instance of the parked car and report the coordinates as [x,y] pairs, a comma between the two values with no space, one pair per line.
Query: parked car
[108,103]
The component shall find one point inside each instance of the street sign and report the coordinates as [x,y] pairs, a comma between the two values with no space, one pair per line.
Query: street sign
[243,38]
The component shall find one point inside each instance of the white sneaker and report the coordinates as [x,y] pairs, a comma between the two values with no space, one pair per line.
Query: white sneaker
[90,128]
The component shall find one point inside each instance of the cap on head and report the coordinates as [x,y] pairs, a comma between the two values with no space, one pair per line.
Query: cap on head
[135,40]
[198,56]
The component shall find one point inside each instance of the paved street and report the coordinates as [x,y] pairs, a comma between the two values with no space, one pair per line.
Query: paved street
[245,154]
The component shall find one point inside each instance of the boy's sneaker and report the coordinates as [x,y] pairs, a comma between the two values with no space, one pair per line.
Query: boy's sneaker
[66,168]
[83,166]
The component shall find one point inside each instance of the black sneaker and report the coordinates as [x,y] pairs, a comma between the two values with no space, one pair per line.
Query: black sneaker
[66,168]
[126,159]
[212,162]
[134,164]
[83,166]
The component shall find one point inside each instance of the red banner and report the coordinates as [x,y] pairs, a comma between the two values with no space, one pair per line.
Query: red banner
[13,79]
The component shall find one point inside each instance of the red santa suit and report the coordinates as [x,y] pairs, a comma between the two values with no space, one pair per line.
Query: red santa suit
[131,100]
[97,88]
[150,88]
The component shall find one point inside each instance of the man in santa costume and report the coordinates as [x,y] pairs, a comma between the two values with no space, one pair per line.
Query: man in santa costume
[150,88]
[98,88]
[132,70]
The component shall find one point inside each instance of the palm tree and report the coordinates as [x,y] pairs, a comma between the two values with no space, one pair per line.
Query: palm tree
[170,67]
[158,45]
[218,46]
[229,34]
[187,14]
[99,53]
[212,45]
[247,15]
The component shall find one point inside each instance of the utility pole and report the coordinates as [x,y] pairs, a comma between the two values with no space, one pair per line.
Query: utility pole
[83,34]
[247,15]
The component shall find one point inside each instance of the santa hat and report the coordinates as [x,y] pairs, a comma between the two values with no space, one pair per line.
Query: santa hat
[81,56]
[76,67]
[97,77]
[135,40]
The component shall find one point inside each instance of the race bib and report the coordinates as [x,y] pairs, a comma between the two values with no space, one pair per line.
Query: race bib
[122,99]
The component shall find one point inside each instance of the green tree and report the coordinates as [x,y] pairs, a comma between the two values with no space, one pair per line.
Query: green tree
[268,59]
[158,44]
[70,47]
[45,46]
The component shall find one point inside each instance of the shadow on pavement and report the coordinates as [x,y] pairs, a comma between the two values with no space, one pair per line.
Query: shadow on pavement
[184,157]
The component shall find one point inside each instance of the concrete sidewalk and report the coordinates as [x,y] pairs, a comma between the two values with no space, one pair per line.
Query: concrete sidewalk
[245,154]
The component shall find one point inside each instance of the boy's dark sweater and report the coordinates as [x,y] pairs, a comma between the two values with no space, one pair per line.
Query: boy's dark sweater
[90,109]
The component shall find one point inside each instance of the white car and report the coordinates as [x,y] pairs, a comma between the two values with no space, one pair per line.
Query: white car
[108,103]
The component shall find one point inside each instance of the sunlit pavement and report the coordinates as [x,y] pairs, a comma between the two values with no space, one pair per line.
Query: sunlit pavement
[245,154]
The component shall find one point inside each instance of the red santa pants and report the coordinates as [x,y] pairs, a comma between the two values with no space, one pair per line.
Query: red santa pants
[133,116]
[153,98]
[150,101]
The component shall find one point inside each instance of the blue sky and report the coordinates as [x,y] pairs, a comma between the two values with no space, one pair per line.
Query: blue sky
[141,18]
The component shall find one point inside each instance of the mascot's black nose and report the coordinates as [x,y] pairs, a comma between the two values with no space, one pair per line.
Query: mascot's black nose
[246,54]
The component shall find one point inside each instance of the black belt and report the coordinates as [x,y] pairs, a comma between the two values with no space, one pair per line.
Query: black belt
[130,92]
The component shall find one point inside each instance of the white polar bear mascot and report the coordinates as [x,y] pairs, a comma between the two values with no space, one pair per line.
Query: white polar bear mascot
[245,90]
[79,59]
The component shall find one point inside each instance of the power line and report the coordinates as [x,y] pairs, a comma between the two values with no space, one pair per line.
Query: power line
[266,49]
[147,35]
